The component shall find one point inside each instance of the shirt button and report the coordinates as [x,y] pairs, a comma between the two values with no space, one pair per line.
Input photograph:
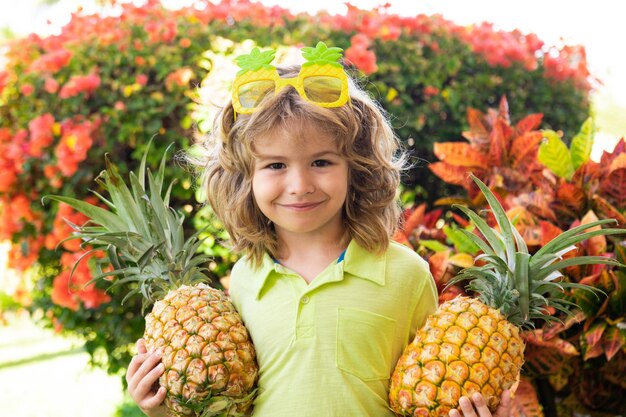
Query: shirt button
[305,299]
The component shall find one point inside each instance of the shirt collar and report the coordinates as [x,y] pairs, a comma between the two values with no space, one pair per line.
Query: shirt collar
[357,261]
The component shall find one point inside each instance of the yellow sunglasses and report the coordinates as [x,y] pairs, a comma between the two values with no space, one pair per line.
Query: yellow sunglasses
[321,80]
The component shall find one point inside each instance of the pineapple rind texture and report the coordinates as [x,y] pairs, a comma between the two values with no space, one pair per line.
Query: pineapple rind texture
[206,350]
[465,347]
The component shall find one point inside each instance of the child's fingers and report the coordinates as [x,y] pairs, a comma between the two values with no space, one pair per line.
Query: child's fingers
[155,400]
[134,365]
[481,405]
[140,366]
[506,403]
[141,346]
[152,360]
[466,407]
[145,384]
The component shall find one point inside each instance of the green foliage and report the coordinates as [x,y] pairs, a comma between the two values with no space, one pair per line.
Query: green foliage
[563,162]
[107,85]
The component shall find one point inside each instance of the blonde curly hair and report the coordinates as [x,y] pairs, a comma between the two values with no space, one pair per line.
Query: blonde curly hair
[364,137]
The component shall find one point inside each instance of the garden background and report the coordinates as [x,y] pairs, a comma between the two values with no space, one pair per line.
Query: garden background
[465,95]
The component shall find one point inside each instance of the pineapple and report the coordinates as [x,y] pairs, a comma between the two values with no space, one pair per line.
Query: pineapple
[210,362]
[473,345]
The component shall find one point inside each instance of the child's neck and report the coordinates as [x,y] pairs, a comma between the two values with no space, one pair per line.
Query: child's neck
[309,256]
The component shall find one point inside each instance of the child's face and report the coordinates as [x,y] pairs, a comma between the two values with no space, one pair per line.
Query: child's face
[301,185]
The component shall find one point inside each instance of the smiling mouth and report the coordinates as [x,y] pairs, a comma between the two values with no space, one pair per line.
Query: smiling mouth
[301,206]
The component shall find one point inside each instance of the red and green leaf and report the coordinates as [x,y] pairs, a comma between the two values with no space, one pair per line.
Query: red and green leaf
[614,183]
[546,356]
[608,211]
[593,335]
[614,339]
[526,402]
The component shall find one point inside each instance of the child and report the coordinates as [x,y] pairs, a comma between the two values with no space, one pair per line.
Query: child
[303,172]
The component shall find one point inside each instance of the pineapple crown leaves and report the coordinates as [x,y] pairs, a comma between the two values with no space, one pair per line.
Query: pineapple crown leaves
[522,285]
[255,60]
[141,236]
[322,55]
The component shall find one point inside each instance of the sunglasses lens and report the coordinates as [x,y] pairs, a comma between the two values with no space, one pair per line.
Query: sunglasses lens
[322,88]
[252,93]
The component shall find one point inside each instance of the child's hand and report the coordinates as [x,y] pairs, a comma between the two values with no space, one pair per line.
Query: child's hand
[480,409]
[143,372]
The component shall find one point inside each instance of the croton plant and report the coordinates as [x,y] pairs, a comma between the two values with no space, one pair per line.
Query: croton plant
[576,365]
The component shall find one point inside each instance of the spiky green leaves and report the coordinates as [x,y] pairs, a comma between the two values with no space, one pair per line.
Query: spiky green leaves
[142,237]
[322,55]
[522,285]
[255,60]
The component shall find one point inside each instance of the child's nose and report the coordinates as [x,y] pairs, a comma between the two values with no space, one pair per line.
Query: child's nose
[300,182]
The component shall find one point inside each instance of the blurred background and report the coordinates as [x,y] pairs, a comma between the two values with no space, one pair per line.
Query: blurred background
[80,78]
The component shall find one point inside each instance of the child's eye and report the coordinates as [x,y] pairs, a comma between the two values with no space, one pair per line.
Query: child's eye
[275,165]
[321,163]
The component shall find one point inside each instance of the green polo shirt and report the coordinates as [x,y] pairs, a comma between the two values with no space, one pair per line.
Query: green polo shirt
[328,348]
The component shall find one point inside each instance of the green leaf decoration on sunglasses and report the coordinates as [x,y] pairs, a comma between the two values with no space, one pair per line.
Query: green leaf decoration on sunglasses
[322,55]
[255,60]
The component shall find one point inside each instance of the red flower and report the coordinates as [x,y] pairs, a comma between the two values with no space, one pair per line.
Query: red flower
[52,62]
[360,56]
[51,85]
[429,91]
[40,134]
[180,78]
[69,290]
[80,84]
[72,149]
[62,293]
[4,80]
[27,89]
[141,79]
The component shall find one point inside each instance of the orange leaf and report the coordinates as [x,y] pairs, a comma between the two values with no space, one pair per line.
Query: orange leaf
[400,237]
[438,265]
[450,173]
[524,148]
[570,195]
[478,133]
[460,153]
[614,184]
[608,211]
[498,143]
[415,219]
[503,110]
[595,245]
[528,123]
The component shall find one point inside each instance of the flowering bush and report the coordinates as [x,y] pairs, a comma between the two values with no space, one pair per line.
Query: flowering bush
[107,84]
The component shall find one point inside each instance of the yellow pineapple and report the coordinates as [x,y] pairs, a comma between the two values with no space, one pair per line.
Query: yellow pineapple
[473,344]
[210,363]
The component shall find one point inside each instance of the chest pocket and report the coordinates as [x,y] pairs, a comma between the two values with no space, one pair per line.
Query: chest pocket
[364,343]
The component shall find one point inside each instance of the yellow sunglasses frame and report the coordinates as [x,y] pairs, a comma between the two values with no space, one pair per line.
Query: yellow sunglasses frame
[306,71]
